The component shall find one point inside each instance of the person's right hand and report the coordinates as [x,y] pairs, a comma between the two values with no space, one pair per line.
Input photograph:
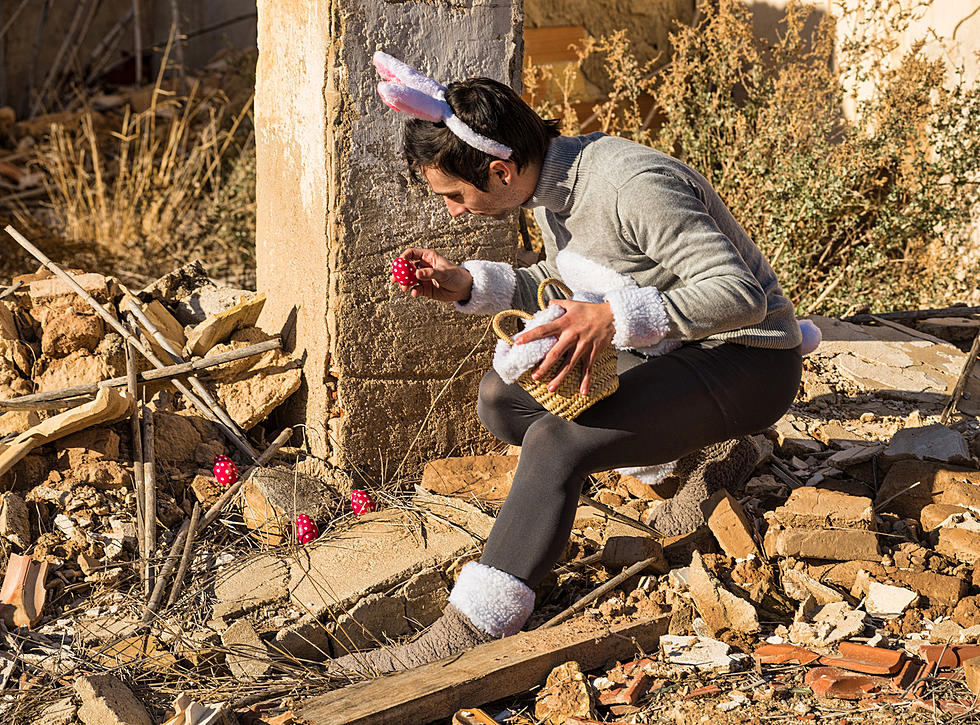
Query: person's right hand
[438,278]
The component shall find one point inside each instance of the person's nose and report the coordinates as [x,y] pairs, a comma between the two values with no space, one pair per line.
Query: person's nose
[455,208]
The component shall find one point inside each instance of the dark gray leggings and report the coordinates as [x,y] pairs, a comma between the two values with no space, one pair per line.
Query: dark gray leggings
[665,407]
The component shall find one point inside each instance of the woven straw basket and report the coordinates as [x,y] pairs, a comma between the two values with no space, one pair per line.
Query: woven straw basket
[565,401]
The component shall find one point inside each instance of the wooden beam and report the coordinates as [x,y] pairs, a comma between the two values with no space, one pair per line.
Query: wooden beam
[486,673]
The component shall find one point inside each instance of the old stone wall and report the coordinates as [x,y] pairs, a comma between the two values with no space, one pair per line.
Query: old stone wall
[386,376]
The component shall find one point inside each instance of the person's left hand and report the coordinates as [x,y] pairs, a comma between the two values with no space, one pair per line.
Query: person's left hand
[583,331]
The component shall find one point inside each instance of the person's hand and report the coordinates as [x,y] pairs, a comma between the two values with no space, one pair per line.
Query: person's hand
[583,332]
[438,278]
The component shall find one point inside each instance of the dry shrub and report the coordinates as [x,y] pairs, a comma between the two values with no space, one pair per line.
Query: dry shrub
[869,210]
[149,195]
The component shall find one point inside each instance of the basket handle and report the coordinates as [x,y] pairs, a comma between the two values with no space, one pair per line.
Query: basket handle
[503,315]
[551,281]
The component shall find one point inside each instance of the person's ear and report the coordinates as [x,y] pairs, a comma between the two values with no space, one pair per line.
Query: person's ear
[502,170]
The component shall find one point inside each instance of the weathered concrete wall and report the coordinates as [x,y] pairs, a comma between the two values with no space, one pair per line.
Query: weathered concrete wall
[335,206]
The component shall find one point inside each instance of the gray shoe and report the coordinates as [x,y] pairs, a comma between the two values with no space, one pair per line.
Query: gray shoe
[721,465]
[449,635]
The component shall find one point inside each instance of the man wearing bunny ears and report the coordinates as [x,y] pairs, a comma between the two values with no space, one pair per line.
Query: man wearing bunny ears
[709,350]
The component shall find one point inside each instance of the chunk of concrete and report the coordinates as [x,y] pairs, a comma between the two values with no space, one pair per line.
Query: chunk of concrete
[800,586]
[933,442]
[261,581]
[700,653]
[14,523]
[486,478]
[566,695]
[888,602]
[961,540]
[623,551]
[53,291]
[262,387]
[107,701]
[934,514]
[720,609]
[248,657]
[831,544]
[911,485]
[824,626]
[727,520]
[219,327]
[816,508]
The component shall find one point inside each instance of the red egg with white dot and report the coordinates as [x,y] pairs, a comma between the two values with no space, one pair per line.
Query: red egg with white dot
[225,471]
[306,530]
[403,272]
[361,502]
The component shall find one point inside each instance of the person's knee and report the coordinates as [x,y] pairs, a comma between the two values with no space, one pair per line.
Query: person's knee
[554,439]
[495,408]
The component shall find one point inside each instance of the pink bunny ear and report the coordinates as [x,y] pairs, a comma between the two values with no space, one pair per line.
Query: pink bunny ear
[413,102]
[395,70]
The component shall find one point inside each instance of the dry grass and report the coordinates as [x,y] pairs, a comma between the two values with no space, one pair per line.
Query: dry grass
[869,210]
[136,194]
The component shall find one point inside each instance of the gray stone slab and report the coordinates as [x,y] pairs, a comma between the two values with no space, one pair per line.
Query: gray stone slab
[261,581]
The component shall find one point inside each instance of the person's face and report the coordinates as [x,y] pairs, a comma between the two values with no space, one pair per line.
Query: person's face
[462,197]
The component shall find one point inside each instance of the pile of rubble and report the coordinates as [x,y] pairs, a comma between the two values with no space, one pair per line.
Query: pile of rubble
[841,577]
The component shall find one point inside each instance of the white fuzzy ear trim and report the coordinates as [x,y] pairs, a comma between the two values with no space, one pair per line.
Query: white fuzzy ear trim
[512,361]
[639,317]
[494,601]
[493,287]
[650,475]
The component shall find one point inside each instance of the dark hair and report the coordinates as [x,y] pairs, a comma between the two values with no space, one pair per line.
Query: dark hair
[492,110]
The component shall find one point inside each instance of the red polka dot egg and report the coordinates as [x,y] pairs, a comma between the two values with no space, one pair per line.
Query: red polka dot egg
[225,471]
[361,502]
[306,530]
[403,272]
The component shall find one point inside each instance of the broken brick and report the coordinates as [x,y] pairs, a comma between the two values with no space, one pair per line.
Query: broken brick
[866,659]
[832,682]
[727,520]
[949,656]
[779,654]
[909,486]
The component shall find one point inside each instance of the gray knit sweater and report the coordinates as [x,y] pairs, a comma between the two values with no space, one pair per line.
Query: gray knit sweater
[627,224]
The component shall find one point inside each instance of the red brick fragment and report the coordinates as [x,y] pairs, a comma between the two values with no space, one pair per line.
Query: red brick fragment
[778,654]
[866,659]
[706,691]
[953,656]
[630,693]
[832,682]
[912,670]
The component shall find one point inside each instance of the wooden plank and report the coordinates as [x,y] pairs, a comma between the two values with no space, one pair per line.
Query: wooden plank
[486,673]
[551,45]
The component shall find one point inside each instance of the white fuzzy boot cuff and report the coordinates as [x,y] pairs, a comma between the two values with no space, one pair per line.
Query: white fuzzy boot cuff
[493,600]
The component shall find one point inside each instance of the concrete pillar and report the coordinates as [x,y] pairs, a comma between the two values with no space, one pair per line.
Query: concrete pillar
[385,374]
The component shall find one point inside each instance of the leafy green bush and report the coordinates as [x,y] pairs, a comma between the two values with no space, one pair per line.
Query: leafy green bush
[868,209]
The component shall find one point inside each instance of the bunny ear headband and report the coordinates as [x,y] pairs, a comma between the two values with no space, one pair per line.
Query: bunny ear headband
[409,91]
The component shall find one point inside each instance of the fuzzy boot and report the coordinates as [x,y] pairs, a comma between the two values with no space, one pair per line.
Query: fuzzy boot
[485,604]
[702,473]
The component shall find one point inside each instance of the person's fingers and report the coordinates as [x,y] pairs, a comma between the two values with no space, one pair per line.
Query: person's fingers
[554,355]
[587,366]
[551,329]
[569,365]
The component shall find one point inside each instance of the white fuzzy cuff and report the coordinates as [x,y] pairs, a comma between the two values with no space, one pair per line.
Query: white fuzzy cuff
[512,361]
[650,475]
[493,287]
[493,600]
[639,317]
[811,336]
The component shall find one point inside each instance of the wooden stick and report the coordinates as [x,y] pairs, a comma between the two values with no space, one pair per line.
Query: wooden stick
[195,383]
[168,566]
[150,505]
[492,671]
[960,311]
[185,558]
[99,55]
[233,490]
[11,289]
[621,518]
[904,329]
[137,444]
[954,399]
[606,587]
[143,350]
[37,400]
[138,42]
